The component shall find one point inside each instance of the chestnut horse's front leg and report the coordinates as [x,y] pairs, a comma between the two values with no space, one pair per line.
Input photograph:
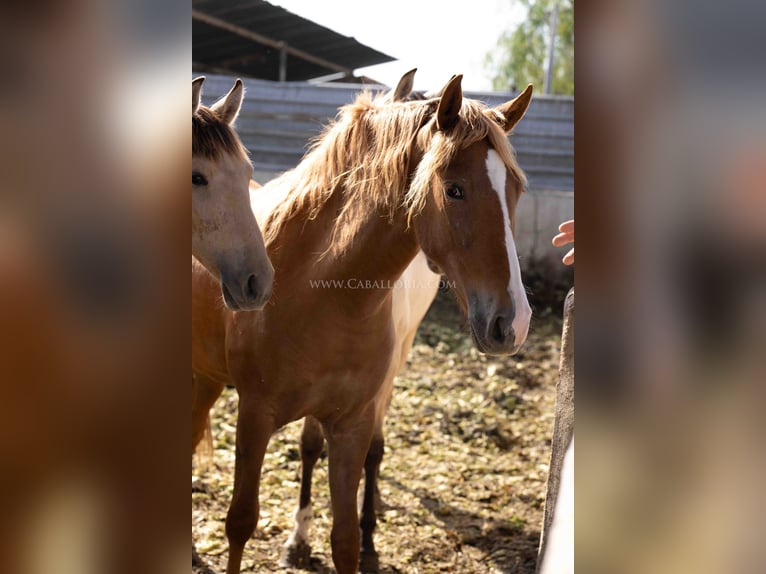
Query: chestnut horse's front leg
[297,552]
[348,441]
[254,428]
[368,518]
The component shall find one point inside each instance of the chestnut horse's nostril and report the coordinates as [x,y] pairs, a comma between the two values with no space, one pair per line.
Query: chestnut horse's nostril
[251,288]
[497,330]
[501,330]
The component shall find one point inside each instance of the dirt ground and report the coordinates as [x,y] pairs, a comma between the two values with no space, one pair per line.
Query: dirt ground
[463,478]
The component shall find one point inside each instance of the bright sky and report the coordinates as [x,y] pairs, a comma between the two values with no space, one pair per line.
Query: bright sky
[438,37]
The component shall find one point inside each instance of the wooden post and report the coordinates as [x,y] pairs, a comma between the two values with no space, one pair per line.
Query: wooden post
[563,436]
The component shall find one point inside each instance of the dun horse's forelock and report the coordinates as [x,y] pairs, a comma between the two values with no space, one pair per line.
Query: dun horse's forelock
[212,137]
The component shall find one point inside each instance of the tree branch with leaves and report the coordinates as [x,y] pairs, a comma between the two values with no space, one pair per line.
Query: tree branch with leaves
[520,56]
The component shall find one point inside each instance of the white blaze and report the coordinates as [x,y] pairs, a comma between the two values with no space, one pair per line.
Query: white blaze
[496,171]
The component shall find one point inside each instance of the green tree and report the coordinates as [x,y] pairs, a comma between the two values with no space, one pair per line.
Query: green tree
[521,55]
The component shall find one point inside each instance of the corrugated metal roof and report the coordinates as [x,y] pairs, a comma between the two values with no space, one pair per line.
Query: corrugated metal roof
[250,37]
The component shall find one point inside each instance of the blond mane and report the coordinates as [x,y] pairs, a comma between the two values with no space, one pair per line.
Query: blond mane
[477,121]
[365,154]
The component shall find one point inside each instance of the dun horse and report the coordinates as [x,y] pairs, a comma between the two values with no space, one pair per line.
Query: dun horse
[385,180]
[225,235]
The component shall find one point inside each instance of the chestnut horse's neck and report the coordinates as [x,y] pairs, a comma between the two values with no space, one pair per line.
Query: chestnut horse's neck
[377,245]
[346,239]
[363,156]
[341,214]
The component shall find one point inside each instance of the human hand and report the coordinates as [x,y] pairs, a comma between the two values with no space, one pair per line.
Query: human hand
[565,236]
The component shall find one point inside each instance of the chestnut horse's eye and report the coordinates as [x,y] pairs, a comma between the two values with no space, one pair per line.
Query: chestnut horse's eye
[454,191]
[198,179]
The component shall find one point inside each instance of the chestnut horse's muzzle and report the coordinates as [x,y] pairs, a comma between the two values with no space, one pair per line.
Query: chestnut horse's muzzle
[492,332]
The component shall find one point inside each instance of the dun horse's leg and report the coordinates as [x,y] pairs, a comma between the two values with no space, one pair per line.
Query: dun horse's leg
[348,443]
[205,392]
[369,560]
[254,429]
[297,551]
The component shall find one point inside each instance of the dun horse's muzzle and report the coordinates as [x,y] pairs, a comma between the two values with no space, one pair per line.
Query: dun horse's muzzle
[248,294]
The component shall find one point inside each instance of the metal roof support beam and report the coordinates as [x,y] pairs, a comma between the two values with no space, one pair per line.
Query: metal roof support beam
[260,39]
[199,66]
[283,63]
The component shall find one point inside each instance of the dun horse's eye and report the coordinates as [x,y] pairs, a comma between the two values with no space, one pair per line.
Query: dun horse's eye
[198,179]
[454,191]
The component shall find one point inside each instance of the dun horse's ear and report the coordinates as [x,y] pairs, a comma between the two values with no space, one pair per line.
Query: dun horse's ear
[404,87]
[228,106]
[514,110]
[196,92]
[450,103]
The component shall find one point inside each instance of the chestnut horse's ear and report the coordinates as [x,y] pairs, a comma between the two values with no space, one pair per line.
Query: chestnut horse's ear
[196,92]
[404,87]
[450,103]
[514,110]
[228,106]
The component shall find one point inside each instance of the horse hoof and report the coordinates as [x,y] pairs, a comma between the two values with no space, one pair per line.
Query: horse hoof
[369,563]
[296,556]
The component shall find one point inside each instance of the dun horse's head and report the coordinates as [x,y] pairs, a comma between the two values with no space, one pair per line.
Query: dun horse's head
[463,198]
[225,236]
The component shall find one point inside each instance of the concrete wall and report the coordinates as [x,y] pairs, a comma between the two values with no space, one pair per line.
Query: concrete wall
[537,219]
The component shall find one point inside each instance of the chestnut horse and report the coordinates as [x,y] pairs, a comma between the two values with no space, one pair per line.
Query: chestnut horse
[412,295]
[225,236]
[385,180]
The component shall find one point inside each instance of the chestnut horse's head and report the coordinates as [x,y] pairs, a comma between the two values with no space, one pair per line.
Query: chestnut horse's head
[463,198]
[225,236]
